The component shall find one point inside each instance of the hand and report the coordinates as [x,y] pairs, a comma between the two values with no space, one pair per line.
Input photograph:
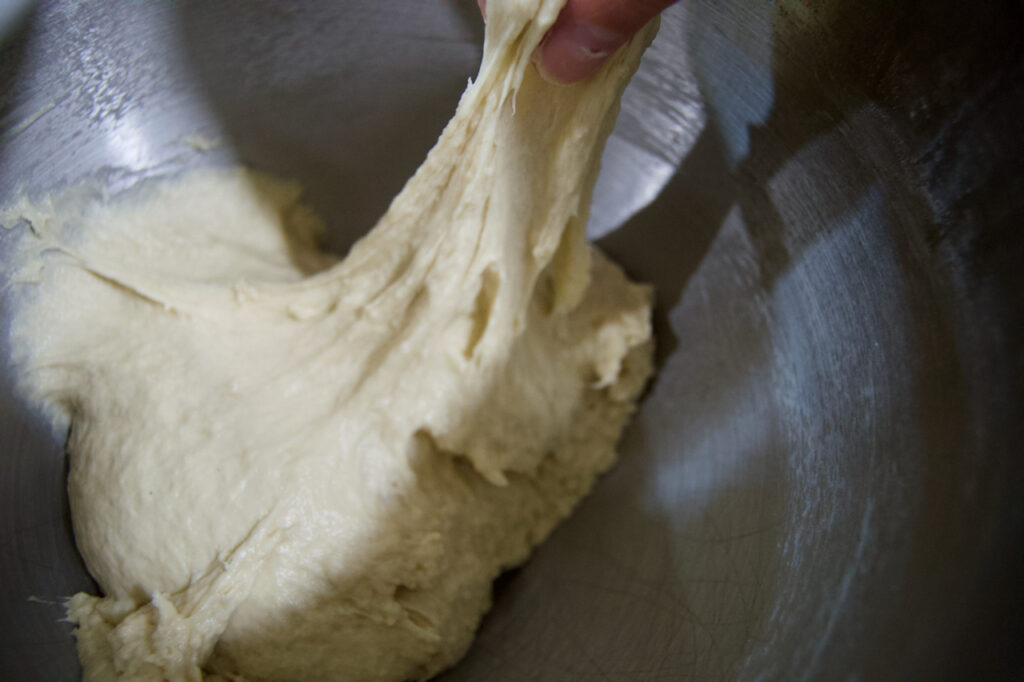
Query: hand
[588,32]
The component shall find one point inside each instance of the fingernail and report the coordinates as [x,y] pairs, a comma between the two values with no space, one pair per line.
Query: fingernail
[574,51]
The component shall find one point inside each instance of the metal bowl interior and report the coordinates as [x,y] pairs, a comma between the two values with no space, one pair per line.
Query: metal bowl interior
[823,482]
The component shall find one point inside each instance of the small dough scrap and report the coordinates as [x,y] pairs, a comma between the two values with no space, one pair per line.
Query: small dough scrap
[289,467]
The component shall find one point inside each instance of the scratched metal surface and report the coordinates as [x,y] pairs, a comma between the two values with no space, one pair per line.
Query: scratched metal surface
[824,480]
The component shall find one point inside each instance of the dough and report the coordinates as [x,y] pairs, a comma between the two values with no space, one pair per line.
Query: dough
[284,467]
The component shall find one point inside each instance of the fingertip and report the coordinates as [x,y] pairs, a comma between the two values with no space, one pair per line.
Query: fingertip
[573,51]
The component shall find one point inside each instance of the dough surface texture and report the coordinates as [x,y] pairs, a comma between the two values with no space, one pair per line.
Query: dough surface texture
[285,466]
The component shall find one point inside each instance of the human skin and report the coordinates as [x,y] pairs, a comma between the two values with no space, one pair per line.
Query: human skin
[587,33]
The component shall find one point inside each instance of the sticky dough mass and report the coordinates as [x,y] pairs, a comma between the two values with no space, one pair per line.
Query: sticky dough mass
[288,467]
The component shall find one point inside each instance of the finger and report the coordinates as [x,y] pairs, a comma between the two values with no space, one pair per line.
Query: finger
[588,32]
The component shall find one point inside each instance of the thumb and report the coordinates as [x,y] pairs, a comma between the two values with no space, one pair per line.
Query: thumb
[587,32]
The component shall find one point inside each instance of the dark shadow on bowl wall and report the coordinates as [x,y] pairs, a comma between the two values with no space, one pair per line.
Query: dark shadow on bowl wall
[38,540]
[13,49]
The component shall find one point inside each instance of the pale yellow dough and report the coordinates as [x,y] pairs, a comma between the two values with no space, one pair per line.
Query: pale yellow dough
[289,468]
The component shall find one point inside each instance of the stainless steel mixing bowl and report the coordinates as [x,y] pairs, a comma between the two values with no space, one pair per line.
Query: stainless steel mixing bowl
[825,480]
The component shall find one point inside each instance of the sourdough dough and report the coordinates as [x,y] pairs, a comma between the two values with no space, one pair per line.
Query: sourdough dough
[289,468]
